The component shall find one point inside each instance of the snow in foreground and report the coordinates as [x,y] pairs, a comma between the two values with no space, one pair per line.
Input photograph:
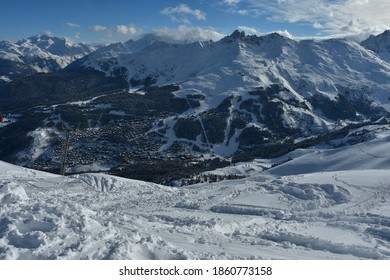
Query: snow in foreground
[346,216]
[291,212]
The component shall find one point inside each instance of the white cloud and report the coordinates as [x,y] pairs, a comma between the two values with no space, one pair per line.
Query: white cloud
[180,13]
[248,30]
[72,25]
[284,33]
[231,2]
[130,30]
[336,17]
[318,25]
[99,28]
[243,12]
[188,34]
[48,33]
[125,30]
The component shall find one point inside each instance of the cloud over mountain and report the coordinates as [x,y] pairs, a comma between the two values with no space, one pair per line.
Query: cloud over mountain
[186,33]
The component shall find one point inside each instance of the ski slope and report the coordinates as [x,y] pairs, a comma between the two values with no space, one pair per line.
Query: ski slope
[326,212]
[373,154]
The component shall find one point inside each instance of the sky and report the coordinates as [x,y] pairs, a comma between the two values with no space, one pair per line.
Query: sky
[121,20]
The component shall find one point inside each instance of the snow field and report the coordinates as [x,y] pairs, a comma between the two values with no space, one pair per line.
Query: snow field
[95,216]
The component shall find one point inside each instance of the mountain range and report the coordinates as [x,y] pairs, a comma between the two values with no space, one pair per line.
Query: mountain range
[40,53]
[198,105]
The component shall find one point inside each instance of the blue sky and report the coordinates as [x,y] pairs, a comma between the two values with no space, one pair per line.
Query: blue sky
[120,20]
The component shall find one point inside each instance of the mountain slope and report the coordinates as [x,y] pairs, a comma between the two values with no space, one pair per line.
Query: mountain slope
[371,154]
[270,82]
[13,70]
[263,61]
[380,44]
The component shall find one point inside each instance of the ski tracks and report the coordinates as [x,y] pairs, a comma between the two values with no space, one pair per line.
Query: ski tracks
[95,216]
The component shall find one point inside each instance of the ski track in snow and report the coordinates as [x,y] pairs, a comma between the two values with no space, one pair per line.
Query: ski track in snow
[96,216]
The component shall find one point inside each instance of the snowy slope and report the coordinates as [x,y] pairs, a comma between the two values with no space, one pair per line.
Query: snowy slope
[380,44]
[13,70]
[315,215]
[368,151]
[373,154]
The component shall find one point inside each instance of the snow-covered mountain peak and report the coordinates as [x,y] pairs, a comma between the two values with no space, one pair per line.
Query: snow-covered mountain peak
[238,34]
[380,44]
[55,45]
[258,61]
[380,38]
[131,46]
[272,38]
[276,37]
[10,51]
[42,41]
[38,39]
[7,44]
[44,53]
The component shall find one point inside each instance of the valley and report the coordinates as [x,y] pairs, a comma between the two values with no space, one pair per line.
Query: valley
[194,106]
